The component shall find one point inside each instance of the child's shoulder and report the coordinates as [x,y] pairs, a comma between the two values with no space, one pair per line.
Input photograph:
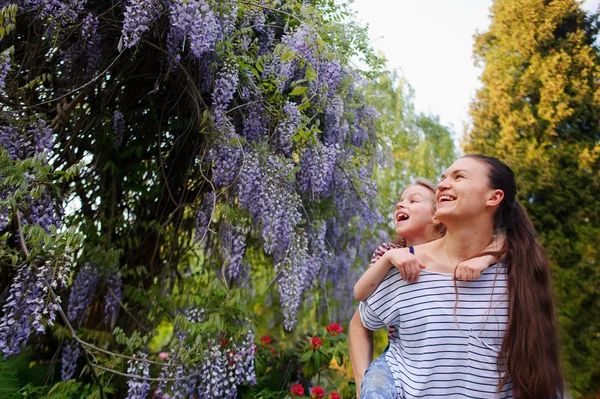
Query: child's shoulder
[386,246]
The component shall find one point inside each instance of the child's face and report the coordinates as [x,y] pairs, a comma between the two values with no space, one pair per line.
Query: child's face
[415,213]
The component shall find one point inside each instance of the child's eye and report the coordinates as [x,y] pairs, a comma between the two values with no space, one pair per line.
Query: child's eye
[413,201]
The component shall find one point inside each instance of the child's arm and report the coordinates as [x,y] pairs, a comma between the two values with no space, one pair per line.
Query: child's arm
[471,269]
[406,263]
[360,341]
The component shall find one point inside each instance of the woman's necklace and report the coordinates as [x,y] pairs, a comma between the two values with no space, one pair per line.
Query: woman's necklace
[452,264]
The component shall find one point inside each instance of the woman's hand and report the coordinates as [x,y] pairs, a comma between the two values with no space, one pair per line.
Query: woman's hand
[407,264]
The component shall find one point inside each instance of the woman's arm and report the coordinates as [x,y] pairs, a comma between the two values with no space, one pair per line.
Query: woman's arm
[406,263]
[360,340]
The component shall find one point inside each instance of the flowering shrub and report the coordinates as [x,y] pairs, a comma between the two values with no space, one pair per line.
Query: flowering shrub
[179,149]
[315,364]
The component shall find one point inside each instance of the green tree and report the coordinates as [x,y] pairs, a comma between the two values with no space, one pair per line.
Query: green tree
[539,110]
[413,144]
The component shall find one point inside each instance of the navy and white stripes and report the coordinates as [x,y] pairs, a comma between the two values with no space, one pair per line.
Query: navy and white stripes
[435,351]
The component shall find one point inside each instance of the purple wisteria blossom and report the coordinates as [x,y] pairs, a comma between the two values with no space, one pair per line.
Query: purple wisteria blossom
[227,153]
[44,212]
[249,183]
[330,73]
[293,271]
[29,305]
[70,355]
[225,86]
[63,11]
[204,215]
[138,388]
[37,138]
[82,292]
[335,128]
[255,121]
[233,247]
[91,39]
[114,286]
[194,23]
[279,207]
[80,298]
[5,66]
[118,126]
[288,126]
[139,15]
[316,170]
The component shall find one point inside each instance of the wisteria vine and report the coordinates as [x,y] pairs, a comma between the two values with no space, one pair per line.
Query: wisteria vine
[254,135]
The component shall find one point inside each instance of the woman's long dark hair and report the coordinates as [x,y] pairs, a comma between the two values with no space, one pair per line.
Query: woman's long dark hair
[530,351]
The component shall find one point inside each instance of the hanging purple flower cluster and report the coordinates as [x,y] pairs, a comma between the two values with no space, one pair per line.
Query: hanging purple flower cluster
[316,170]
[82,292]
[139,15]
[204,215]
[138,387]
[233,247]
[91,39]
[225,365]
[293,271]
[80,298]
[114,286]
[279,206]
[5,66]
[37,138]
[193,22]
[29,304]
[288,126]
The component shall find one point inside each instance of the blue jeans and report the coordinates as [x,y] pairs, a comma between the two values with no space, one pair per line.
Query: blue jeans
[378,382]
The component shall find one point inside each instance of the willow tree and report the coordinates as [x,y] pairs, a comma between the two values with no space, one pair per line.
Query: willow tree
[152,151]
[539,110]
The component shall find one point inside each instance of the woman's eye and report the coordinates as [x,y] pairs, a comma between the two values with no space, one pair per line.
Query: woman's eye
[458,177]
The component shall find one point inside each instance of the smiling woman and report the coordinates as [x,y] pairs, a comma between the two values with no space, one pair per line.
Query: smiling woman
[494,337]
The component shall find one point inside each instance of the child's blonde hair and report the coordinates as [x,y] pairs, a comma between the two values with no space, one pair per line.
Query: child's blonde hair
[440,228]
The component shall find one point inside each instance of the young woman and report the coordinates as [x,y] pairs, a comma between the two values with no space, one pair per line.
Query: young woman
[415,223]
[494,337]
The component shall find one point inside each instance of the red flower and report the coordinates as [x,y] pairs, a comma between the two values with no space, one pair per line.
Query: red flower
[265,340]
[317,392]
[297,390]
[316,343]
[272,350]
[335,395]
[334,329]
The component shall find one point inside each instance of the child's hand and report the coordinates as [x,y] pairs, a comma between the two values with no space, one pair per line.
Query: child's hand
[407,264]
[471,269]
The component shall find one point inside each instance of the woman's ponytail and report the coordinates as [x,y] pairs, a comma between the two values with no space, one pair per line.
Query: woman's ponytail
[529,351]
[529,355]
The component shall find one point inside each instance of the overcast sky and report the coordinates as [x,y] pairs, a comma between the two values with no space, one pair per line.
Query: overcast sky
[431,41]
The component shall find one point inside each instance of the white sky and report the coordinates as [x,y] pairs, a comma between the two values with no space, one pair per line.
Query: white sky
[431,41]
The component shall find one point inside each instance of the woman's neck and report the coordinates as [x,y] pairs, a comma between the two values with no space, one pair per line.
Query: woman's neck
[463,244]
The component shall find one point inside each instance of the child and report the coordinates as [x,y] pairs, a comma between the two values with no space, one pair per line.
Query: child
[415,222]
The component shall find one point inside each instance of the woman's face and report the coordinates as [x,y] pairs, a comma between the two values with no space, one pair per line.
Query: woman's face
[415,212]
[464,190]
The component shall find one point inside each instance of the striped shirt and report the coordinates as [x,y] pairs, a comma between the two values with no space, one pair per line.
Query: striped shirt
[383,248]
[431,354]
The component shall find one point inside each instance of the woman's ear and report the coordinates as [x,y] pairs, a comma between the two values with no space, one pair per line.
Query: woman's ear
[495,198]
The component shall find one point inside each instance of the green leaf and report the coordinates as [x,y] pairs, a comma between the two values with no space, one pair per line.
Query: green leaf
[306,356]
[299,90]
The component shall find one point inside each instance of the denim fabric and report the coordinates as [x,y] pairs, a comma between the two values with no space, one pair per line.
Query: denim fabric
[378,382]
